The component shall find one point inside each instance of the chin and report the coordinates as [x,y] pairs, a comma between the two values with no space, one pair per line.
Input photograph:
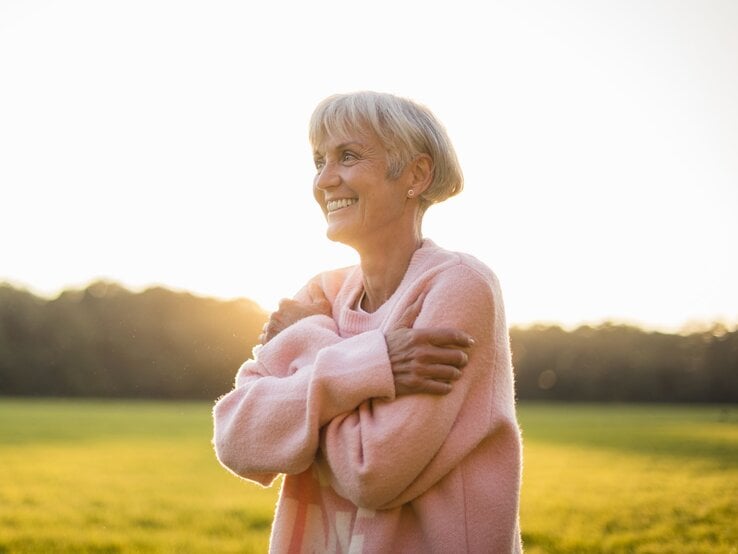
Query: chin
[335,236]
[341,235]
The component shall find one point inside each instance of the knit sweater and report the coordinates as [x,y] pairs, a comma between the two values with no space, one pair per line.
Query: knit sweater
[366,471]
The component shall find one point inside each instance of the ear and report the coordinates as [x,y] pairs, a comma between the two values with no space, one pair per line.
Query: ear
[420,173]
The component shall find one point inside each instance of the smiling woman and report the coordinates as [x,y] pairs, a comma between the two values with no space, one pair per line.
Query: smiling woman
[384,392]
[359,200]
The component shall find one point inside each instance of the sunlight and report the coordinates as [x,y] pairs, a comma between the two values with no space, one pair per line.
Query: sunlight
[166,143]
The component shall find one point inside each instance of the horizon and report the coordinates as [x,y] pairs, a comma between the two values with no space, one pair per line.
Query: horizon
[688,327]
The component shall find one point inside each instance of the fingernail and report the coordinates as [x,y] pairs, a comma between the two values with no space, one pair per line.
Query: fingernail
[472,341]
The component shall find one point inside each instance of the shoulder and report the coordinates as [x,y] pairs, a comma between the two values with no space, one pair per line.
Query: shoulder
[451,267]
[463,292]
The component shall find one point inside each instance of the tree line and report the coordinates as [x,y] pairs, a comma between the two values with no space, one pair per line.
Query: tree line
[106,341]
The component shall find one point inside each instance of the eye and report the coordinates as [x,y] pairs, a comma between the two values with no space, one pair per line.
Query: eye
[349,157]
[319,163]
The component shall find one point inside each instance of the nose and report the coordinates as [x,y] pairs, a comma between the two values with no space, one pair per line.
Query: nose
[327,177]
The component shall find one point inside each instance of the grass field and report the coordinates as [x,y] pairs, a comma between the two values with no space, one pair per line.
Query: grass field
[107,477]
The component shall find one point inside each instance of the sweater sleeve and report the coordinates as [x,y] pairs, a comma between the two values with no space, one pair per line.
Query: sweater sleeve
[307,375]
[386,453]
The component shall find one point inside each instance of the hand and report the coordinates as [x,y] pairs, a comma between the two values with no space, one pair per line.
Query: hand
[425,360]
[291,311]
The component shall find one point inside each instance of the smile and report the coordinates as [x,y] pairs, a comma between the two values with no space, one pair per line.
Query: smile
[334,205]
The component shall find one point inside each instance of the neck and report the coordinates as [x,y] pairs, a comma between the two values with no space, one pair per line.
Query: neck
[384,266]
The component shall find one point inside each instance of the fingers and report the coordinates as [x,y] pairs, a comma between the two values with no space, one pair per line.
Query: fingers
[427,360]
[270,329]
[411,384]
[430,356]
[440,372]
[446,337]
[290,311]
[266,332]
[418,374]
[436,387]
[443,373]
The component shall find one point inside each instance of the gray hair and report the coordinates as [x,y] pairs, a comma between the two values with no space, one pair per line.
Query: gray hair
[404,127]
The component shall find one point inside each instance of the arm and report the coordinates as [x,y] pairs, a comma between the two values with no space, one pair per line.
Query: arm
[302,378]
[229,430]
[386,453]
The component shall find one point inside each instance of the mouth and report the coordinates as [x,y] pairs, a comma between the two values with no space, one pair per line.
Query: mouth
[339,204]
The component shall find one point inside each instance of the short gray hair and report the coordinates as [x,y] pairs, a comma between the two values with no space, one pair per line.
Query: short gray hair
[404,127]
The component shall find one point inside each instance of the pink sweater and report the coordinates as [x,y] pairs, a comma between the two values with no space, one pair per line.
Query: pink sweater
[365,471]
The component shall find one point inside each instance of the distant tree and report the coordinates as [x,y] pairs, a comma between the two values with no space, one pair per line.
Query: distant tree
[721,364]
[624,363]
[21,322]
[107,341]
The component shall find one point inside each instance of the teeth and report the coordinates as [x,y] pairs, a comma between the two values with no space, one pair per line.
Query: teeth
[334,205]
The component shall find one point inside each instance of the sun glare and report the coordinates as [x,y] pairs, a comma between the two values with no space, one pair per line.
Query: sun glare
[167,143]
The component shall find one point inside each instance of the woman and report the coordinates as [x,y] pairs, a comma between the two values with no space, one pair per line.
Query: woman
[383,392]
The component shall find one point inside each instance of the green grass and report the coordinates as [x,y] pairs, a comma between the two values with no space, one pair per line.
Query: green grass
[107,477]
[622,478]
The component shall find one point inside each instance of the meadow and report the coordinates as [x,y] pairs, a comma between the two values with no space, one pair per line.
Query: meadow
[140,476]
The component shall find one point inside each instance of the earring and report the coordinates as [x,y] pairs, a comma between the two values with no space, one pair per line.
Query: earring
[410,193]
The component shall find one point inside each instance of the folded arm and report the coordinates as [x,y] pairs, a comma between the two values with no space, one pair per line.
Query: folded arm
[381,442]
[387,452]
[301,379]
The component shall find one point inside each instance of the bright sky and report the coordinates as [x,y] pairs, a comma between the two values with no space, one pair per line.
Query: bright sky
[164,142]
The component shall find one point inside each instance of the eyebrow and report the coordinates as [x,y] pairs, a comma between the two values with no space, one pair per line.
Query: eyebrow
[349,143]
[342,146]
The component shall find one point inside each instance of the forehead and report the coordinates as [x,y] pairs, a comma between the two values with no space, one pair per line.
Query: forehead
[333,139]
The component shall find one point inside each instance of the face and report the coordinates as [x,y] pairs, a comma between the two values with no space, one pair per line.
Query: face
[361,205]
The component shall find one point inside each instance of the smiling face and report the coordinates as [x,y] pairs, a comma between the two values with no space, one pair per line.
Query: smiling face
[361,204]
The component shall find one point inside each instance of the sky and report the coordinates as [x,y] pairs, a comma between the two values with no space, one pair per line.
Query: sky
[165,143]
